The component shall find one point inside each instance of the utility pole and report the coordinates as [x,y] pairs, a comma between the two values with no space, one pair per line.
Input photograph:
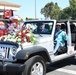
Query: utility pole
[35,9]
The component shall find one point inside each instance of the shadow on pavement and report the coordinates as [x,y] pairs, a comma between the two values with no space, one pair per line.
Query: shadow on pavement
[61,64]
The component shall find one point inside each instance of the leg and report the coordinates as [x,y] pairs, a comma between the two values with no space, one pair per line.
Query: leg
[56,46]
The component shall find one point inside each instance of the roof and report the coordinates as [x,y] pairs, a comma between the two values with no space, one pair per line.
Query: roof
[4,3]
[38,20]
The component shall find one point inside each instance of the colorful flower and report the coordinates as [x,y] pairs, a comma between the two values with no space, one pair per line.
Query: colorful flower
[22,36]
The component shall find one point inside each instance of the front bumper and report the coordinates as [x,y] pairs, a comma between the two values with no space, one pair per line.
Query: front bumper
[11,67]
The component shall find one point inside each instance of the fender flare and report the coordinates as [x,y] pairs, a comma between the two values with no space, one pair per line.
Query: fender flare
[31,50]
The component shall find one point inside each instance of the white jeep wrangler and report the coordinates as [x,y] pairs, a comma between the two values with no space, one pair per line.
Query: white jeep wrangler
[31,59]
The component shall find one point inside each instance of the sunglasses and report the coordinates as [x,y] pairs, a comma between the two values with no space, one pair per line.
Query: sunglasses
[58,25]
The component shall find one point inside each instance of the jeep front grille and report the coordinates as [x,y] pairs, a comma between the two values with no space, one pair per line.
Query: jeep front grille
[0,55]
[6,49]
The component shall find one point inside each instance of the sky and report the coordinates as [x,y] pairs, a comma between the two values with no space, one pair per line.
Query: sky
[27,8]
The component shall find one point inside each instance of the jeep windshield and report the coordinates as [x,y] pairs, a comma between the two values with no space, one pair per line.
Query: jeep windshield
[40,27]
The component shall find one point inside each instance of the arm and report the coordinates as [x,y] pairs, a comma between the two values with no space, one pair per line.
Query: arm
[65,37]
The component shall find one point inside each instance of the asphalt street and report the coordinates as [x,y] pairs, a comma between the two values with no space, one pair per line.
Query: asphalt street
[64,67]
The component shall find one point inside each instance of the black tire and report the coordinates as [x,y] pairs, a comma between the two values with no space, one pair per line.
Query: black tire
[32,61]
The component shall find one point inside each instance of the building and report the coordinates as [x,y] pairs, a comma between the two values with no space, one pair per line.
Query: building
[7,6]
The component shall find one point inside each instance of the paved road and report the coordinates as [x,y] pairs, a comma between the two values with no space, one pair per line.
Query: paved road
[64,67]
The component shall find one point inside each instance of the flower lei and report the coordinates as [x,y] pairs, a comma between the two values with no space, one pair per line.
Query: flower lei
[22,36]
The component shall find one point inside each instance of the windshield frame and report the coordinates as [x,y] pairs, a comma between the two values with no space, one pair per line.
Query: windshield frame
[40,22]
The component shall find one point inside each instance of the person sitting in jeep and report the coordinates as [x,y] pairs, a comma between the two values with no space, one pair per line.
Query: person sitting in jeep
[43,29]
[60,38]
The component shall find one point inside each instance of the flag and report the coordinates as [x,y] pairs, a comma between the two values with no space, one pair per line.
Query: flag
[4,13]
[7,14]
[10,13]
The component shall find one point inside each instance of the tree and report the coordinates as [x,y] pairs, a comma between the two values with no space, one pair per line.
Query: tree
[31,18]
[55,12]
[51,10]
[72,8]
[69,12]
[65,13]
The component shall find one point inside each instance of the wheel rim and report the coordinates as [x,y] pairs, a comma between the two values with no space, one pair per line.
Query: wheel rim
[37,69]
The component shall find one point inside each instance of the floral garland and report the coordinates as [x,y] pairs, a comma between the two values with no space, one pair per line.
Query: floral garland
[22,36]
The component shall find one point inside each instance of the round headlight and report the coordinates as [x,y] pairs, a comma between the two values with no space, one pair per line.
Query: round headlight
[14,50]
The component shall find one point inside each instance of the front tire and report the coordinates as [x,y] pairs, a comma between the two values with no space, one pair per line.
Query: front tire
[35,66]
